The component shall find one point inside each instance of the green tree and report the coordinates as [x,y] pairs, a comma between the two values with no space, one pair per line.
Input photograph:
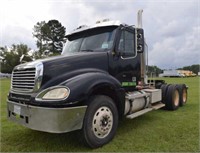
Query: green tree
[38,33]
[55,36]
[11,57]
[154,71]
[50,37]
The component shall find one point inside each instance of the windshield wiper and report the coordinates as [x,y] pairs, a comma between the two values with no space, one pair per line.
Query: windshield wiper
[86,50]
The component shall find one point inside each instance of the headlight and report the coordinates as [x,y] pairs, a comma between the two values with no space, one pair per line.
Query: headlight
[55,93]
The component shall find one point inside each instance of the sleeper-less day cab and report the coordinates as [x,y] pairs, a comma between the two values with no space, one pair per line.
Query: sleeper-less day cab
[99,78]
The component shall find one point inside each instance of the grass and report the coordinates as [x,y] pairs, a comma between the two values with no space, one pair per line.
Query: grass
[157,131]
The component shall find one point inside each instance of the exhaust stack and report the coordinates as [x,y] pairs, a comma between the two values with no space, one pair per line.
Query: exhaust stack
[139,18]
[142,54]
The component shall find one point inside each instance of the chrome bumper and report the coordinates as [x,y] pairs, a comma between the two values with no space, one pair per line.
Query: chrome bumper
[53,120]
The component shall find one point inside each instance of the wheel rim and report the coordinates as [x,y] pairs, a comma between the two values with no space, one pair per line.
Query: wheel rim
[102,122]
[176,98]
[184,95]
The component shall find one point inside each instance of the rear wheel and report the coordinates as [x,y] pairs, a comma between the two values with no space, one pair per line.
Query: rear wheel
[183,94]
[172,98]
[101,121]
[164,89]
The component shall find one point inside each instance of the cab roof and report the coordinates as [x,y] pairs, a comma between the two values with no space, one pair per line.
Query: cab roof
[103,23]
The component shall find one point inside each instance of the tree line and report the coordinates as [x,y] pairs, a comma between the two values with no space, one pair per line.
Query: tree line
[10,57]
[153,71]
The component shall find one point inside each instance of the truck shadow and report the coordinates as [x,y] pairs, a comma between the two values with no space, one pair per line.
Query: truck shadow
[36,141]
[126,125]
[65,142]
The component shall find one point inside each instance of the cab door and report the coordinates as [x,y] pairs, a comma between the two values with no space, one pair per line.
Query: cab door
[124,62]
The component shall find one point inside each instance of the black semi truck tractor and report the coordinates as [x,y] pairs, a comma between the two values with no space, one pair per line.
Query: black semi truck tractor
[99,78]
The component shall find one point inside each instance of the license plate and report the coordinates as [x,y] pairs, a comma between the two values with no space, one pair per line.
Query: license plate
[17,109]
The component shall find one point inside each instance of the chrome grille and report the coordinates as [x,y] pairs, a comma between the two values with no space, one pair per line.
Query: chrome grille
[23,79]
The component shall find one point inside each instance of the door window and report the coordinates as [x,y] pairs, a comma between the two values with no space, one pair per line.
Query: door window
[127,44]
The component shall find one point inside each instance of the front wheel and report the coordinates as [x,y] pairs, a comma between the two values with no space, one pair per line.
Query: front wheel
[101,121]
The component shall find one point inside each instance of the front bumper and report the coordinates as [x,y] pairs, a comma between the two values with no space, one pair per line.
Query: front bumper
[53,120]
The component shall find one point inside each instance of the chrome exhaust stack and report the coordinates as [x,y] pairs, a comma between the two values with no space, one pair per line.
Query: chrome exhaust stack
[141,42]
[139,18]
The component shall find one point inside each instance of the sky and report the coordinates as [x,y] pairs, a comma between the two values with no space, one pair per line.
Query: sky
[172,27]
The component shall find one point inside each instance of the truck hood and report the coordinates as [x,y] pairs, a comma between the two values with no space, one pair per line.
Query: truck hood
[60,68]
[65,66]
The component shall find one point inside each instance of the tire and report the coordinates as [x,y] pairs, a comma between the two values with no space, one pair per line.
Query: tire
[164,89]
[172,98]
[100,122]
[183,94]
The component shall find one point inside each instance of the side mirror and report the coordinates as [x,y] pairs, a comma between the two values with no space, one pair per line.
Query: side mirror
[140,40]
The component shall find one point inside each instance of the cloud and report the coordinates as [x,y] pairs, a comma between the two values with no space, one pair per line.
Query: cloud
[17,34]
[169,27]
[18,19]
[170,53]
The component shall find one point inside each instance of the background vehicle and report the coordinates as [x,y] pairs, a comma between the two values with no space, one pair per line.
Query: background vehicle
[177,73]
[99,78]
[171,73]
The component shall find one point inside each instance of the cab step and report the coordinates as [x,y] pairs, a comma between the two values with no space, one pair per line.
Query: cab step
[139,113]
[158,106]
[136,114]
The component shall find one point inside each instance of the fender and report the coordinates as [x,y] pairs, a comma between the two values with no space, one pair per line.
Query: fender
[82,87]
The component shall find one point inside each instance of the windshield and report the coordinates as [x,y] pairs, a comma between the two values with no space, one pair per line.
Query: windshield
[99,39]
